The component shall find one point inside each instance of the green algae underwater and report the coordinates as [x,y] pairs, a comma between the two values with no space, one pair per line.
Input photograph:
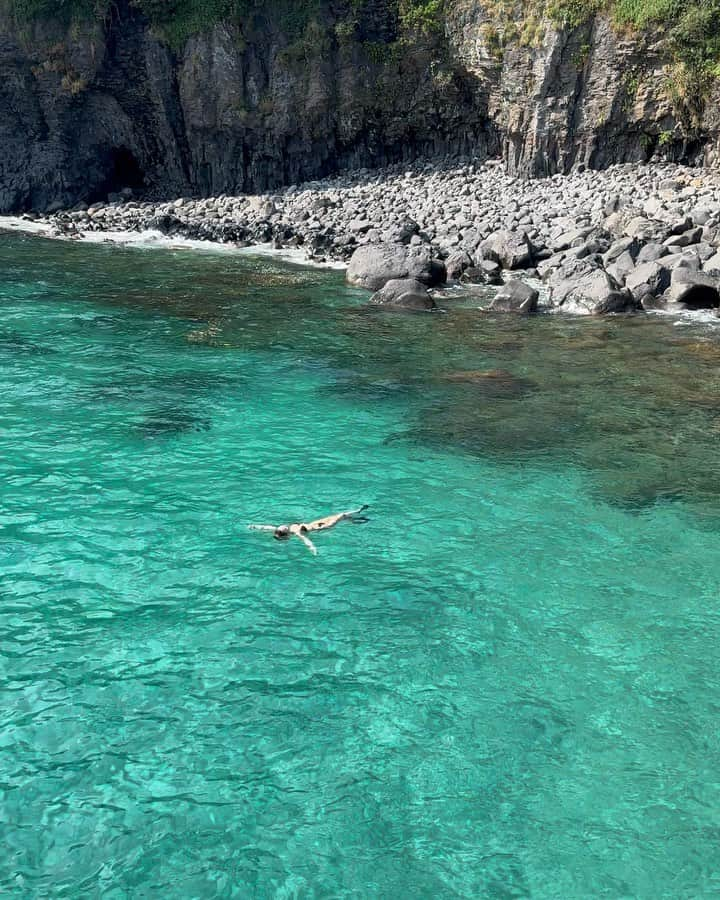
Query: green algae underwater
[505,684]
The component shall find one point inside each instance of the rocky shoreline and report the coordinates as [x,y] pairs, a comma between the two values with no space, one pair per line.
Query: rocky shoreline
[626,239]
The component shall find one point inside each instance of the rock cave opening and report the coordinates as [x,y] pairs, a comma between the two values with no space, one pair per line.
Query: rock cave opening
[702,297]
[122,171]
[125,170]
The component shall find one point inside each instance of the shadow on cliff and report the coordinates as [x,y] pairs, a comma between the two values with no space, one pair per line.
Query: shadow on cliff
[107,105]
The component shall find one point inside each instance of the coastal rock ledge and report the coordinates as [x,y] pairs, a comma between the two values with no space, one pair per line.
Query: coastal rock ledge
[622,240]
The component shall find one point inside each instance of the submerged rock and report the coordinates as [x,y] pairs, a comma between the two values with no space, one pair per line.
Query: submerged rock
[169,422]
[493,382]
[13,342]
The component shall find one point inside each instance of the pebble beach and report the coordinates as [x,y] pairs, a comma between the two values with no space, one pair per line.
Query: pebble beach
[626,239]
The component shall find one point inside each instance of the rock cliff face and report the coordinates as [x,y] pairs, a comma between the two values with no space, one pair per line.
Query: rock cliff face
[584,96]
[95,108]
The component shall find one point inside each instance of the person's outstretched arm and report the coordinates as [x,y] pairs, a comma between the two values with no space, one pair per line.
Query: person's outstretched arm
[308,543]
[262,527]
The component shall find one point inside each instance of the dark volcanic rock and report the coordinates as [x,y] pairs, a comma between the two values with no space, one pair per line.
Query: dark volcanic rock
[510,249]
[106,106]
[165,224]
[516,297]
[457,264]
[648,278]
[403,293]
[694,290]
[487,271]
[595,293]
[374,265]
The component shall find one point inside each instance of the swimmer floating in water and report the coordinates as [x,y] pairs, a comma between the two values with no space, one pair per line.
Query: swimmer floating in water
[301,529]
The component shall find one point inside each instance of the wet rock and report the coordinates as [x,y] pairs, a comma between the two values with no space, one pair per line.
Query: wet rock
[374,265]
[596,293]
[165,224]
[516,297]
[694,290]
[404,293]
[486,272]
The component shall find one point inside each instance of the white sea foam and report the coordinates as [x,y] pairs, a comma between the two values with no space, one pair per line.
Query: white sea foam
[155,240]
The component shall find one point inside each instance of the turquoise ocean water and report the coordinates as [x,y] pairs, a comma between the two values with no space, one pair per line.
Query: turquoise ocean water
[505,684]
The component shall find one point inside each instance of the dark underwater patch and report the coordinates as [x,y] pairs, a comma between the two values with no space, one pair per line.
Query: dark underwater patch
[490,384]
[170,422]
[367,389]
[12,342]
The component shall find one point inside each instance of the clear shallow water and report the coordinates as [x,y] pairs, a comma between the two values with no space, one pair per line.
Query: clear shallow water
[505,684]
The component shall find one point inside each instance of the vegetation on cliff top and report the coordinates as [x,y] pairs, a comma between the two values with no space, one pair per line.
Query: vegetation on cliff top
[691,28]
[177,20]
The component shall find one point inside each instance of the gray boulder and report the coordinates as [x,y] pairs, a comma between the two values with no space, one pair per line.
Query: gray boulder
[165,224]
[569,239]
[456,264]
[641,228]
[617,250]
[510,249]
[621,268]
[650,252]
[595,292]
[694,290]
[649,278]
[686,260]
[704,251]
[486,272]
[713,264]
[403,293]
[686,239]
[547,266]
[373,265]
[405,231]
[516,297]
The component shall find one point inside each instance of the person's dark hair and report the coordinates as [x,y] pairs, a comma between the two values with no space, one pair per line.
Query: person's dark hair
[282,532]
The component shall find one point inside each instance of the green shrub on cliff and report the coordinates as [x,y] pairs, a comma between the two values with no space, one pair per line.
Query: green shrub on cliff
[64,10]
[424,16]
[691,27]
[180,19]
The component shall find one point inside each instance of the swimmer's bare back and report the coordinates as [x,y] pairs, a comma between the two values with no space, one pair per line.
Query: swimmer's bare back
[301,529]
